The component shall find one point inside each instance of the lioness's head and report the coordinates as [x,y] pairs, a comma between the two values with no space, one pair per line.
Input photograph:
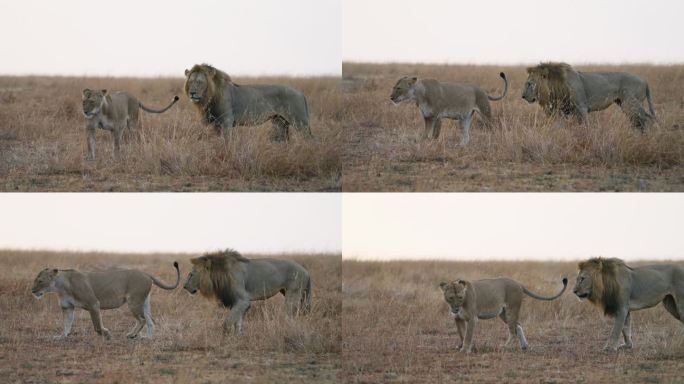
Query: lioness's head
[44,282]
[403,89]
[92,101]
[454,294]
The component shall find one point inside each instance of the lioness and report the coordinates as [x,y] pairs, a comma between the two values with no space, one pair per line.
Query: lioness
[235,281]
[225,104]
[562,91]
[618,289]
[113,112]
[102,290]
[486,299]
[438,101]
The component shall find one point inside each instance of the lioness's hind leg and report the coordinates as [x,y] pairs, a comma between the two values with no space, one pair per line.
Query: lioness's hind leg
[137,310]
[147,312]
[436,128]
[467,119]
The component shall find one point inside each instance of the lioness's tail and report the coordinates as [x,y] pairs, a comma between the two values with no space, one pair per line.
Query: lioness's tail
[650,101]
[505,79]
[534,295]
[146,109]
[161,285]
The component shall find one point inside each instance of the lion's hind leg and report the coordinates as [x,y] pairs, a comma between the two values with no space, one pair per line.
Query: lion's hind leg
[636,113]
[675,310]
[280,129]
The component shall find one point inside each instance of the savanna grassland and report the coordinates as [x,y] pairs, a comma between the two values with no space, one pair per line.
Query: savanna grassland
[188,346]
[396,328]
[43,145]
[523,150]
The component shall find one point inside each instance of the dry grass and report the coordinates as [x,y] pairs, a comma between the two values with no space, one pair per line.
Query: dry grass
[188,345]
[396,328]
[524,151]
[42,142]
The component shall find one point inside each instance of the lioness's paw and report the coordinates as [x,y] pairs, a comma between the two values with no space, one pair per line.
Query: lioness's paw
[625,346]
[106,333]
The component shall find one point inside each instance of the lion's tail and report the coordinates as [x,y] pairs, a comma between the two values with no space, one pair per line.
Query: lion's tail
[146,109]
[650,101]
[549,298]
[505,80]
[161,285]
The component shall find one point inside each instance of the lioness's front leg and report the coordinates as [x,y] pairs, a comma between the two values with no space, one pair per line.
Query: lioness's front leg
[620,318]
[68,312]
[470,330]
[90,137]
[97,321]
[460,324]
[429,124]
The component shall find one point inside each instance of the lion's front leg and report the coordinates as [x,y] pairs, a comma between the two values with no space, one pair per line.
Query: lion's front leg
[234,319]
[620,318]
[227,123]
[627,332]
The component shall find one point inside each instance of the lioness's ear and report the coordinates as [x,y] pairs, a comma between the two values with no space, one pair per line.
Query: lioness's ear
[187,73]
[86,91]
[195,261]
[413,80]
[104,91]
[462,282]
[55,270]
[443,285]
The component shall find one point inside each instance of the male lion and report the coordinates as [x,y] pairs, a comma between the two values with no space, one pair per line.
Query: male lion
[225,104]
[486,299]
[113,112]
[438,101]
[618,289]
[235,281]
[560,90]
[101,290]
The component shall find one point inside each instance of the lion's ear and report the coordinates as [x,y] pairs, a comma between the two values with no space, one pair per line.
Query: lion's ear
[443,285]
[104,91]
[413,80]
[462,282]
[55,271]
[187,72]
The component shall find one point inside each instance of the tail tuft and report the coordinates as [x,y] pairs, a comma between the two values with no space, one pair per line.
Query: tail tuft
[502,75]
[176,98]
[175,263]
[565,281]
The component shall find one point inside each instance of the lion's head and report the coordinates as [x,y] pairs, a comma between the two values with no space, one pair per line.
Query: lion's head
[454,294]
[547,84]
[597,281]
[44,282]
[212,275]
[92,101]
[403,89]
[203,83]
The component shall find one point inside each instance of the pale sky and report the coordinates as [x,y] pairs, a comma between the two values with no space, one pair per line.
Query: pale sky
[163,222]
[153,38]
[513,32]
[504,226]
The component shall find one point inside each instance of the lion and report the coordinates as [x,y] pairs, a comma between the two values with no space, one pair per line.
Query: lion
[235,281]
[96,291]
[562,91]
[225,104]
[618,289]
[486,299]
[437,100]
[113,112]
